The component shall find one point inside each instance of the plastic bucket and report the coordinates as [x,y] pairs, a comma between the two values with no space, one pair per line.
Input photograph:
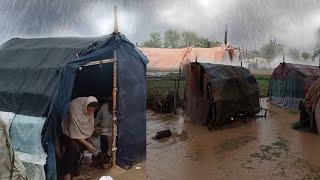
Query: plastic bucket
[87,158]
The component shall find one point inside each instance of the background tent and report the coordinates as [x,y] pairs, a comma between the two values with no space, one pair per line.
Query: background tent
[309,111]
[215,93]
[290,83]
[38,78]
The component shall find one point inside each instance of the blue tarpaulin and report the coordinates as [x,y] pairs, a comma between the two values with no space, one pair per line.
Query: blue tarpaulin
[37,78]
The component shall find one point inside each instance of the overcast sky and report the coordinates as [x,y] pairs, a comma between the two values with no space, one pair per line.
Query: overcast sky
[295,23]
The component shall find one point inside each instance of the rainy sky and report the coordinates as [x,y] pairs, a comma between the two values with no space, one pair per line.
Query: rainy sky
[251,23]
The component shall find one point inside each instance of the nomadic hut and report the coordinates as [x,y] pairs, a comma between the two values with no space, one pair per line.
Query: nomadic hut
[39,77]
[216,93]
[310,108]
[290,83]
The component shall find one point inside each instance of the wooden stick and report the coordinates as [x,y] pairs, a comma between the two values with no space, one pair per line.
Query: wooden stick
[114,111]
[92,63]
[116,26]
[175,97]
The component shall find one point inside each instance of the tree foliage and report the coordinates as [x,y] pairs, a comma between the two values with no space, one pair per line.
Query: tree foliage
[154,41]
[203,43]
[189,38]
[175,39]
[171,39]
[305,56]
[215,43]
[271,50]
[294,54]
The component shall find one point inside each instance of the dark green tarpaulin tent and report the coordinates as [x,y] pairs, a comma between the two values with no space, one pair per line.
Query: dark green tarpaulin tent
[290,83]
[215,93]
[38,77]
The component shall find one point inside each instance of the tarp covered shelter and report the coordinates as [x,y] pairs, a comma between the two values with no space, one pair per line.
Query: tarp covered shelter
[166,58]
[310,107]
[290,83]
[215,93]
[39,77]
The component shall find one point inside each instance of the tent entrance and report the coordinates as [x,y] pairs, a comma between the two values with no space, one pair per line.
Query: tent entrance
[97,79]
[94,80]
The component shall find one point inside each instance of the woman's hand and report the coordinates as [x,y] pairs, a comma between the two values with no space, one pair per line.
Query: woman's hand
[88,145]
[91,148]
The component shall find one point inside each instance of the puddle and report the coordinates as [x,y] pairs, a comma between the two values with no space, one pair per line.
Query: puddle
[260,148]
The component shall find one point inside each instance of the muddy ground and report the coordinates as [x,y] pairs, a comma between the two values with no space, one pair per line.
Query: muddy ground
[137,172]
[259,148]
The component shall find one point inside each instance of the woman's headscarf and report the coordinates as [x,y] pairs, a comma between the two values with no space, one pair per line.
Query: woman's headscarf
[80,124]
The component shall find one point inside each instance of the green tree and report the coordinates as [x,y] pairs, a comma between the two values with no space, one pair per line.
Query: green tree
[215,43]
[154,41]
[203,43]
[315,54]
[171,39]
[270,50]
[189,38]
[305,56]
[294,54]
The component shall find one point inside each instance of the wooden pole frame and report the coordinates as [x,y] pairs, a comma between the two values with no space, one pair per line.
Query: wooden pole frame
[114,110]
[116,25]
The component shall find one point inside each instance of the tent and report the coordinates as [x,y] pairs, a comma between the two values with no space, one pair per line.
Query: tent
[290,83]
[216,93]
[168,58]
[309,111]
[39,77]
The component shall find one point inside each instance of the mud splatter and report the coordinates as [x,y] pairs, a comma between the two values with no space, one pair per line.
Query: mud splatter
[235,143]
[284,162]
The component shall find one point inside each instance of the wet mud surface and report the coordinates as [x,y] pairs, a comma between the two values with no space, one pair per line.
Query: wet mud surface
[258,148]
[137,172]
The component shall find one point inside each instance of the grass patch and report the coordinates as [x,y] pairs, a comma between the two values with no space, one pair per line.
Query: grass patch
[164,85]
[160,94]
[263,83]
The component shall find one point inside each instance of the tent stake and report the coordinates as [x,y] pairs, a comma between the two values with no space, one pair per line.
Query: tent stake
[114,111]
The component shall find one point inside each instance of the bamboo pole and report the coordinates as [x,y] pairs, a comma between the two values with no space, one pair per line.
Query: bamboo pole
[175,97]
[114,111]
[116,26]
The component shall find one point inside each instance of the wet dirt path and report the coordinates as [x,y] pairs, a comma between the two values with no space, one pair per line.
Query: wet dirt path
[260,148]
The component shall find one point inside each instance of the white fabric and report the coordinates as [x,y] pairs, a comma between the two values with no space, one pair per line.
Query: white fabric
[6,152]
[95,140]
[106,178]
[34,171]
[79,124]
[104,120]
[39,159]
[25,136]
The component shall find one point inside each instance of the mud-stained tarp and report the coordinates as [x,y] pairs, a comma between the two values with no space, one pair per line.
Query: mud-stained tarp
[309,112]
[316,110]
[311,96]
[290,83]
[215,93]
